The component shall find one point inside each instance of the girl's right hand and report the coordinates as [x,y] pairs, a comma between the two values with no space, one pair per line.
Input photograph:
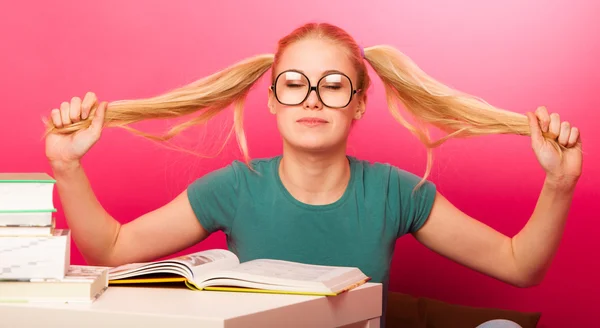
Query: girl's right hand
[66,149]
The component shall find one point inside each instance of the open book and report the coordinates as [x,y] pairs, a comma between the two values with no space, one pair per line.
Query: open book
[220,269]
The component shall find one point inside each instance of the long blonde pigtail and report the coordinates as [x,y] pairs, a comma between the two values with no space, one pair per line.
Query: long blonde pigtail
[207,96]
[430,102]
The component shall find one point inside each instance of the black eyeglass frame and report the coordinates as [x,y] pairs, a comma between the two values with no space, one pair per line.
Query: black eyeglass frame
[311,88]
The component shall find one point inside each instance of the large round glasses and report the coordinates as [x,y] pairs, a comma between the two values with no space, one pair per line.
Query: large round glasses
[334,90]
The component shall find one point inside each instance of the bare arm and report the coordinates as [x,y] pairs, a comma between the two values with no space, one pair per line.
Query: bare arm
[102,240]
[520,261]
[523,259]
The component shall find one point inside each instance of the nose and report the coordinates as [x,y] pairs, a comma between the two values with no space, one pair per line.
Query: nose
[312,101]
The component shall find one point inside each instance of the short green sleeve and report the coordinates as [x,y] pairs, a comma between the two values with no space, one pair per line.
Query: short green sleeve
[213,198]
[414,207]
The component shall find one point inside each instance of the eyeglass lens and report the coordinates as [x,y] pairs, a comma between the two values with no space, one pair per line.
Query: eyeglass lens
[334,89]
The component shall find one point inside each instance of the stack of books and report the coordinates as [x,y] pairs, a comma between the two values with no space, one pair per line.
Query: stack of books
[34,254]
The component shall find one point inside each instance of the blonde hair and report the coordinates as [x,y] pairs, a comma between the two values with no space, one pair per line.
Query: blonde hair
[427,100]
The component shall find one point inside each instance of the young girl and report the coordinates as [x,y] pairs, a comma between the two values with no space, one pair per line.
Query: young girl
[314,203]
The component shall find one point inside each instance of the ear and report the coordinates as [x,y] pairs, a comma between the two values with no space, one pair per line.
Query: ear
[271,101]
[361,107]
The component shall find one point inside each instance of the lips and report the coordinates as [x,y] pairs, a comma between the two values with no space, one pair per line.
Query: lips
[312,120]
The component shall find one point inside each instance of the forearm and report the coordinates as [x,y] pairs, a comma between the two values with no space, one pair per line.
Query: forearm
[93,230]
[536,244]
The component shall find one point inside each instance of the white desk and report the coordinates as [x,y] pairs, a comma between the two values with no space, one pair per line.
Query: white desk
[169,307]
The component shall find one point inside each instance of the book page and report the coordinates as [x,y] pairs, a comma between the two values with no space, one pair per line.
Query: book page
[278,272]
[205,257]
[188,266]
[207,262]
[284,270]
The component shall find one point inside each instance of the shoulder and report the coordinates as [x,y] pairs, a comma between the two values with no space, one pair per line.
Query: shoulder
[408,197]
[225,185]
[385,171]
[237,172]
[215,196]
[400,188]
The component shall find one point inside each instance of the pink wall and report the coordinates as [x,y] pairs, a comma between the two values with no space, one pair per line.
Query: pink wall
[513,54]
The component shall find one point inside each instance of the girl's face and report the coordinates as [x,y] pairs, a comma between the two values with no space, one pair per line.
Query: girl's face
[310,122]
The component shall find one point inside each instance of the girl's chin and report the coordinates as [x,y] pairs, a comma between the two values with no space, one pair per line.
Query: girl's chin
[314,145]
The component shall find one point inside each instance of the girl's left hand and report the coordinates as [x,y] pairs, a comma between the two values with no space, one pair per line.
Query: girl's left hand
[565,171]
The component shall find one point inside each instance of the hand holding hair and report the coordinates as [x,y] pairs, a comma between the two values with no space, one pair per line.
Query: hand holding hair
[87,117]
[562,165]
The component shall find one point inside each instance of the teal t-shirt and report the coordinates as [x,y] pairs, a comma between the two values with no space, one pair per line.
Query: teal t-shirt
[261,219]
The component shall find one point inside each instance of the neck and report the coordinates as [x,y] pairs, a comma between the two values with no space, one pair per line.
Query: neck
[315,178]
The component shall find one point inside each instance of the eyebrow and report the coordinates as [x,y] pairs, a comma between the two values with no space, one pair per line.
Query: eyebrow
[329,71]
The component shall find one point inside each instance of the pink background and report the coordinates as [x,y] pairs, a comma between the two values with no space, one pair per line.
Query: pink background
[515,55]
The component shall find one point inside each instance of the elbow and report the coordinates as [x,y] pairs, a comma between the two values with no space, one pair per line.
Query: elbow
[101,260]
[526,276]
[103,249]
[528,280]
[523,274]
[106,257]
[526,283]
[109,257]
